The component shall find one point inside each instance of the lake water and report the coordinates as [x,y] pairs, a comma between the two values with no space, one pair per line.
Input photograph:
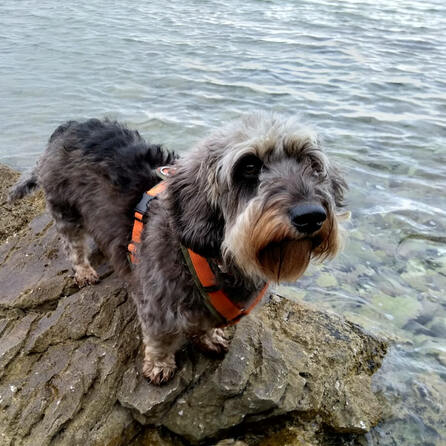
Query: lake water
[369,74]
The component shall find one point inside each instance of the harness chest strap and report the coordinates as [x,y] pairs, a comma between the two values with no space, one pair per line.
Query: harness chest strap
[215,299]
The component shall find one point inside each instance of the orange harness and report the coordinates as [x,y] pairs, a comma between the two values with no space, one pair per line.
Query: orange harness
[215,299]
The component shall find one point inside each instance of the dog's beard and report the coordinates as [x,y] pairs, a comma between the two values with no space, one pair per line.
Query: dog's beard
[263,243]
[285,261]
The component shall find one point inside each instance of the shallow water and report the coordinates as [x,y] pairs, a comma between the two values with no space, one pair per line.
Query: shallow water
[370,75]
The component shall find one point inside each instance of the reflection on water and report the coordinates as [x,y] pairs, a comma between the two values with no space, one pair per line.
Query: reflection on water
[369,74]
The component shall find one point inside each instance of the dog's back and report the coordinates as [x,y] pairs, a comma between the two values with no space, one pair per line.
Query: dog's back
[93,173]
[117,153]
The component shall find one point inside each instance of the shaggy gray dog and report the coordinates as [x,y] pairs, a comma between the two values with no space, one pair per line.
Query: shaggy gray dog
[258,198]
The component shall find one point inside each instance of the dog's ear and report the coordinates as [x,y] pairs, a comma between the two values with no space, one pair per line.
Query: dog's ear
[338,185]
[199,224]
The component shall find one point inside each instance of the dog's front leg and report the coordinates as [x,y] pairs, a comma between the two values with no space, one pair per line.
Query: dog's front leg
[212,341]
[159,357]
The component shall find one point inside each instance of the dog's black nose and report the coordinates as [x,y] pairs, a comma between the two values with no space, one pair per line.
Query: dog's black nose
[307,217]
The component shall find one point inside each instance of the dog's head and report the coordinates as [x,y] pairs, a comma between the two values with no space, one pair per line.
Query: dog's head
[260,193]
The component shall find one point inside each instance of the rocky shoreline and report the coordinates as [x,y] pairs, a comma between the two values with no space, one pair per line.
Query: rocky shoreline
[70,361]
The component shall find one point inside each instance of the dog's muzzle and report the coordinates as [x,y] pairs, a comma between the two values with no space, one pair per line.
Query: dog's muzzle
[307,218]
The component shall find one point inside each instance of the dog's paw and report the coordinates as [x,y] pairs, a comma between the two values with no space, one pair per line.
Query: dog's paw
[85,276]
[213,342]
[159,371]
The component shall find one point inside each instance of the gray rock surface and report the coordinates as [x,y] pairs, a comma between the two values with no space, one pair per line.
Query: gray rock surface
[70,359]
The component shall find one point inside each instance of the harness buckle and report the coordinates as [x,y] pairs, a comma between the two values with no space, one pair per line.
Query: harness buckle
[143,205]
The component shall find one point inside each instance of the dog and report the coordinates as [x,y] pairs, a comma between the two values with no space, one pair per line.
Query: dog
[258,199]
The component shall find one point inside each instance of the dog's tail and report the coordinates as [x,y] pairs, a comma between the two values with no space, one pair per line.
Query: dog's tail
[28,184]
[24,186]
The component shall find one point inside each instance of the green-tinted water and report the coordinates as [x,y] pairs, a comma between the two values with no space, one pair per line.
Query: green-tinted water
[370,75]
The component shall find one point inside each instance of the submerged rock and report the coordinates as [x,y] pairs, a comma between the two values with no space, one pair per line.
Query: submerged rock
[70,359]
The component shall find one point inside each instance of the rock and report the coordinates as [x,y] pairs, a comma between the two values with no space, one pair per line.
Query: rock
[14,218]
[287,358]
[70,359]
[231,442]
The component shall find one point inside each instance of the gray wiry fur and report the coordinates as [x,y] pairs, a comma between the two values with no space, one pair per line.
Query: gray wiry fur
[24,187]
[216,204]
[93,173]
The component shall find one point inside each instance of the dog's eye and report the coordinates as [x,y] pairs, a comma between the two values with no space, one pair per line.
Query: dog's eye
[248,168]
[251,169]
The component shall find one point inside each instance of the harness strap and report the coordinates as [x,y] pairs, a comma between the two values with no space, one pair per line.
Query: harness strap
[138,224]
[218,299]
[215,299]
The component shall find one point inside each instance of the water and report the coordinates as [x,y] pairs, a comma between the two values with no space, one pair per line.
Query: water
[370,75]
